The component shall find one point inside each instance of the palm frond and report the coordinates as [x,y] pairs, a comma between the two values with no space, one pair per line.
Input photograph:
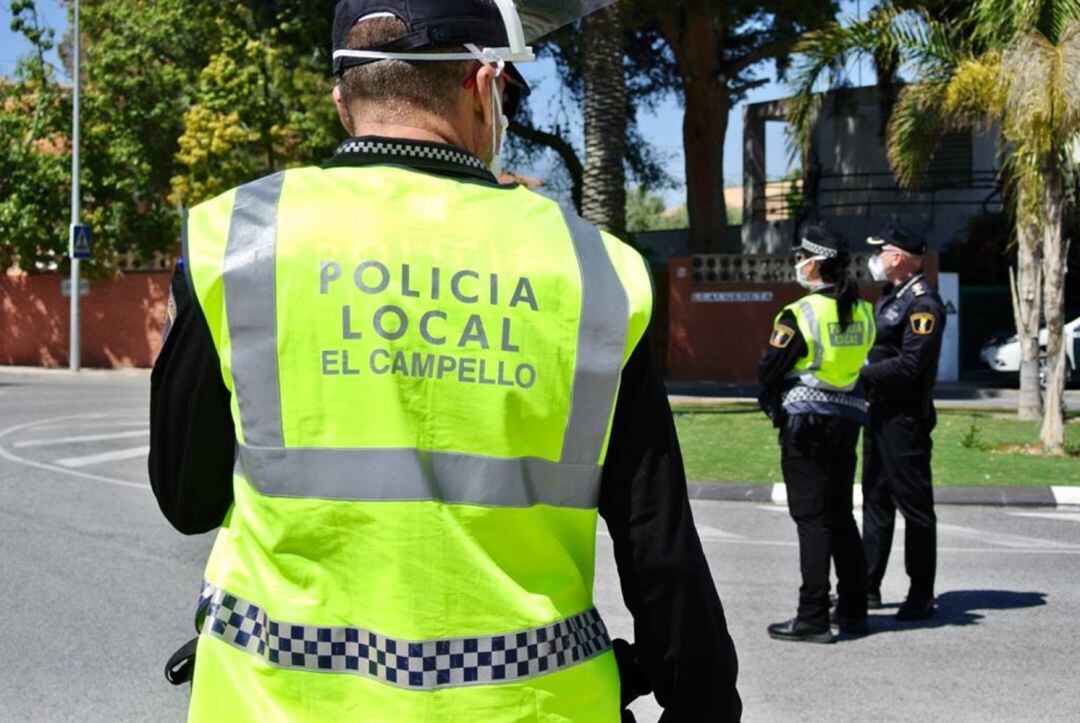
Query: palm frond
[1031,75]
[928,48]
[915,131]
[974,96]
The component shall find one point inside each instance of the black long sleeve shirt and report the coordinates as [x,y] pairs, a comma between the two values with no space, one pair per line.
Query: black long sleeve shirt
[683,652]
[902,368]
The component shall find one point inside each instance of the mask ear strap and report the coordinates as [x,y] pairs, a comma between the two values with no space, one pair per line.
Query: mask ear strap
[492,60]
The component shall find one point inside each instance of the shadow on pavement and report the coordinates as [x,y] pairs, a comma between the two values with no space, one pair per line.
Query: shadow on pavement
[959,607]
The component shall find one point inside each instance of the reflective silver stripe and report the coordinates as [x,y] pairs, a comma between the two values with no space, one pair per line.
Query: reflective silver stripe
[413,475]
[251,305]
[808,377]
[408,474]
[815,330]
[411,664]
[602,330]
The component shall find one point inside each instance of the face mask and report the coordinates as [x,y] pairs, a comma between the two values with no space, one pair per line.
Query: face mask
[877,269]
[800,275]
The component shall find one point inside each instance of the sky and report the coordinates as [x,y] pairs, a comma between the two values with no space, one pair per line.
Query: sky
[661,128]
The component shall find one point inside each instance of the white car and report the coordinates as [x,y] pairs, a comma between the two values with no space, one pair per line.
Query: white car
[1002,354]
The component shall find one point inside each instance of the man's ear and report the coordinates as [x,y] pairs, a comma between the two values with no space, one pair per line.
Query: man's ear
[343,110]
[485,78]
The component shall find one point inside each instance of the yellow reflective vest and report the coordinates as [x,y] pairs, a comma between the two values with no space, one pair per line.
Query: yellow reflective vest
[423,376]
[834,354]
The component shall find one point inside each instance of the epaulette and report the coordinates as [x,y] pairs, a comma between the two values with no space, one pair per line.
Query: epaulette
[918,289]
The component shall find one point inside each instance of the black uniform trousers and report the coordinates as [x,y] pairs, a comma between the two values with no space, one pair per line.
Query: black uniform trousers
[896,474]
[819,471]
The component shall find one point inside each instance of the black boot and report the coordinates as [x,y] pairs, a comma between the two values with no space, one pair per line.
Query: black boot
[850,625]
[797,631]
[873,600]
[915,609]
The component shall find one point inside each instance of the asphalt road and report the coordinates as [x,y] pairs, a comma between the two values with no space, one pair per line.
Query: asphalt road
[98,590]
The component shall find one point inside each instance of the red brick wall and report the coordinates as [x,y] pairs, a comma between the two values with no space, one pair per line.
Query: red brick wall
[121,320]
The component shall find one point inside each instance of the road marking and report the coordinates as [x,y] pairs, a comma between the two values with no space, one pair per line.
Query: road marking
[707,533]
[1005,539]
[5,454]
[1066,516]
[104,457]
[92,425]
[84,438]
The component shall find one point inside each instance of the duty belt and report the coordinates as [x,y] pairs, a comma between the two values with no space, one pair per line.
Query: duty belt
[801,399]
[410,664]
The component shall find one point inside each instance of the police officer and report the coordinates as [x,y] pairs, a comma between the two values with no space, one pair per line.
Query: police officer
[809,379]
[404,393]
[900,374]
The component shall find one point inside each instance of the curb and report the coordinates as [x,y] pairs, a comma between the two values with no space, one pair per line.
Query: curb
[1054,496]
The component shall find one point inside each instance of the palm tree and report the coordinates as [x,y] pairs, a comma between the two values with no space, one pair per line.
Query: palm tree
[604,188]
[1013,65]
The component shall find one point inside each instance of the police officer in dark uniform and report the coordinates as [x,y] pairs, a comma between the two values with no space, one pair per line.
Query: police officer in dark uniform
[900,375]
[810,388]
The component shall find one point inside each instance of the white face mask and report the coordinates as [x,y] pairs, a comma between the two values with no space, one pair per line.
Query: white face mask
[800,275]
[877,269]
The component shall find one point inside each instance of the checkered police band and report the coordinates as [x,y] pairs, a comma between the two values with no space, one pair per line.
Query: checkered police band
[410,664]
[817,250]
[411,151]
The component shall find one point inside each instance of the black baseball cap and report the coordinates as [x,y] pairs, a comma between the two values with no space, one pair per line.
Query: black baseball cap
[431,23]
[902,238]
[818,240]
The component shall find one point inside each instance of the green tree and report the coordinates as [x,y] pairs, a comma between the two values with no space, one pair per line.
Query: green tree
[645,211]
[181,99]
[34,155]
[1013,64]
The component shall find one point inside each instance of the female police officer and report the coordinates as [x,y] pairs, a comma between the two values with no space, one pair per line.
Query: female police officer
[809,379]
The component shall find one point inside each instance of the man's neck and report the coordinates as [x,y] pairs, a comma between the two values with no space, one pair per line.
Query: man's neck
[433,133]
[906,277]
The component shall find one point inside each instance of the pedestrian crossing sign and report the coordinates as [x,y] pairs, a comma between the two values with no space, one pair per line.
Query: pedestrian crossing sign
[81,240]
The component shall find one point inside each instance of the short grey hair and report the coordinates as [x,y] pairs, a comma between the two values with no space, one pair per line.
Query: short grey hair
[387,90]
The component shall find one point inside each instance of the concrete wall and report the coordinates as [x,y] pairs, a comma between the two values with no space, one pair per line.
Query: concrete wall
[847,144]
[121,320]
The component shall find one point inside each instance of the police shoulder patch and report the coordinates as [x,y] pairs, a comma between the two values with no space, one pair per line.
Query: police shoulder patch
[782,336]
[923,323]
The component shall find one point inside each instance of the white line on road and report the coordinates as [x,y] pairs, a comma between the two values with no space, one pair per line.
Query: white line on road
[104,457]
[110,424]
[1004,539]
[60,470]
[1066,516]
[84,438]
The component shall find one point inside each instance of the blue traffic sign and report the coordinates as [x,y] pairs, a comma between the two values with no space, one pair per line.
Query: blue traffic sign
[81,242]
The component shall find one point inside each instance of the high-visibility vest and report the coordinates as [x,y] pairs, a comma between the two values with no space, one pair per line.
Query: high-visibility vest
[423,376]
[834,354]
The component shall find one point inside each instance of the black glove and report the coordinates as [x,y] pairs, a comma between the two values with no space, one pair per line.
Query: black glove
[770,403]
[634,682]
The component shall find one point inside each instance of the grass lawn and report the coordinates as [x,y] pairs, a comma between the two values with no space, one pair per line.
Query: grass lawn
[736,443]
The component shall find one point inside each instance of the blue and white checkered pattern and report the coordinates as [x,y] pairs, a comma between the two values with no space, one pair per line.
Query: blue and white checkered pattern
[411,664]
[412,150]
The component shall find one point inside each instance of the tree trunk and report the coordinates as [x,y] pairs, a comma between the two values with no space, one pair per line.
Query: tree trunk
[1054,264]
[603,200]
[693,37]
[1026,305]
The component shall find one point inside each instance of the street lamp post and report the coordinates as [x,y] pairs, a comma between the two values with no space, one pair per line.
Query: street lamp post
[74,356]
